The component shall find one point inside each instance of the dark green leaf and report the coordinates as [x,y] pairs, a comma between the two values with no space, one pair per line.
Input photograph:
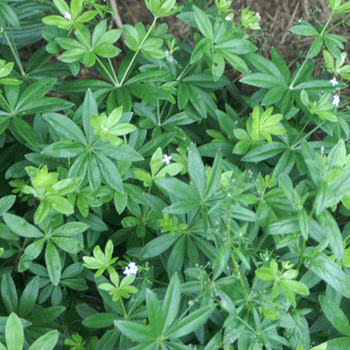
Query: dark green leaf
[53,263]
[335,315]
[191,322]
[158,246]
[21,227]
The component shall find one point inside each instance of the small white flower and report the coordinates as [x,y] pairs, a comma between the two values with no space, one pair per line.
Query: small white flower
[67,15]
[170,58]
[336,100]
[259,17]
[334,81]
[228,18]
[1,29]
[166,159]
[322,149]
[131,269]
[105,129]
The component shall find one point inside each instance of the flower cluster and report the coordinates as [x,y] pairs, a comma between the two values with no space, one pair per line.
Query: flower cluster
[131,269]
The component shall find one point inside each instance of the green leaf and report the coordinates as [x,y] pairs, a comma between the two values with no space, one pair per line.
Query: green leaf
[21,227]
[204,23]
[154,311]
[305,29]
[159,141]
[25,130]
[262,80]
[14,334]
[295,286]
[191,322]
[183,207]
[29,297]
[215,176]
[196,170]
[335,315]
[100,320]
[63,149]
[135,331]
[34,92]
[70,229]
[332,231]
[89,109]
[69,245]
[265,274]
[65,127]
[46,342]
[46,316]
[171,301]
[158,246]
[60,204]
[61,6]
[218,66]
[9,14]
[324,267]
[6,203]
[9,293]
[76,7]
[110,172]
[264,152]
[53,263]
[274,95]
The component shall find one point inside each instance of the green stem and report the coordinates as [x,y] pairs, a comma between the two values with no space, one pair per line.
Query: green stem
[15,54]
[183,72]
[126,73]
[9,107]
[113,71]
[308,134]
[339,23]
[228,232]
[115,83]
[326,25]
[302,130]
[123,307]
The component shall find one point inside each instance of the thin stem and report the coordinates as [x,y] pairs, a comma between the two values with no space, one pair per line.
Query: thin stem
[124,310]
[308,134]
[113,71]
[15,54]
[302,130]
[115,83]
[183,72]
[326,25]
[339,23]
[9,107]
[126,73]
[228,232]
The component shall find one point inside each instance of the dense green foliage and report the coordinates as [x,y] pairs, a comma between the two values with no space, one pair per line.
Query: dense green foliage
[151,205]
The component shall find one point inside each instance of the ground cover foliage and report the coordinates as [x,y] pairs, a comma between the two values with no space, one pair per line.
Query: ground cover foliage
[147,204]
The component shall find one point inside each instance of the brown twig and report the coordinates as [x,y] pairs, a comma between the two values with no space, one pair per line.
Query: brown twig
[289,23]
[116,17]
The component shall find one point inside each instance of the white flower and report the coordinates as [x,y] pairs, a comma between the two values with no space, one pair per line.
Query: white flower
[170,58]
[67,15]
[336,100]
[166,159]
[322,149]
[131,269]
[259,17]
[1,29]
[334,81]
[228,18]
